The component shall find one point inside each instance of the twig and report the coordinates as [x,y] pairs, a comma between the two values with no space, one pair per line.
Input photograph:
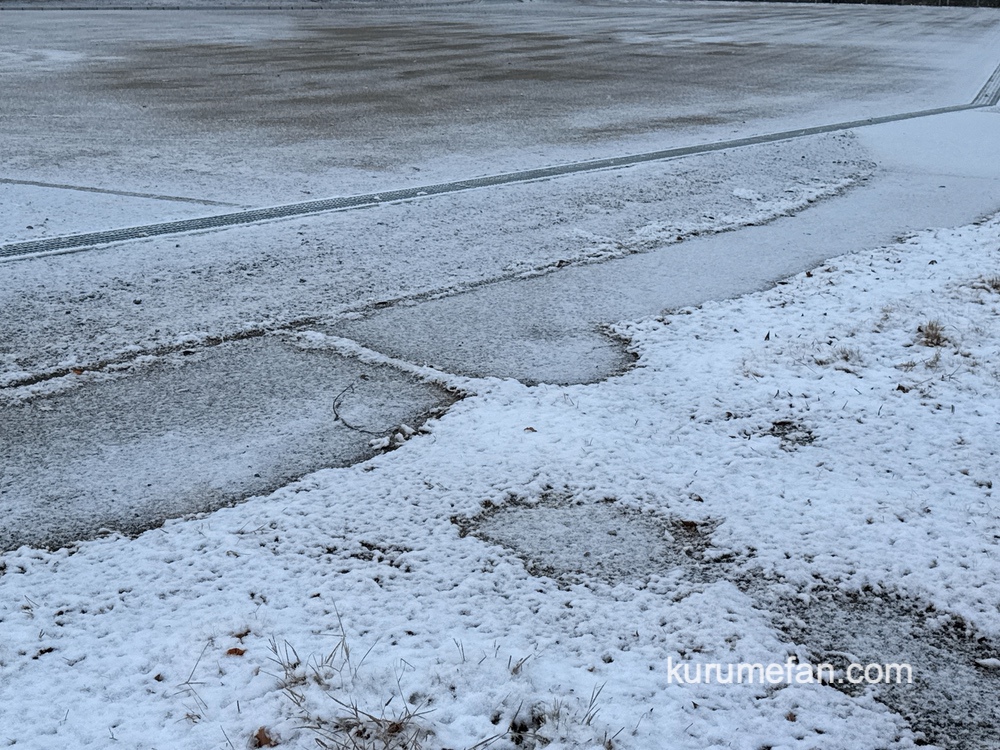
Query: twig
[336,413]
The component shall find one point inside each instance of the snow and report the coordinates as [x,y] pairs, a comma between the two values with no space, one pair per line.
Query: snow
[341,263]
[804,472]
[259,107]
[808,435]
[33,211]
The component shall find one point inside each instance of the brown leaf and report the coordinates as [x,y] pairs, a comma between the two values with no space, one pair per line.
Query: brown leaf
[262,739]
[530,429]
[234,651]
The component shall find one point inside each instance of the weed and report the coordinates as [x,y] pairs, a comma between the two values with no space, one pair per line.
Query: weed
[931,333]
[988,283]
[592,707]
[515,667]
[525,727]
[188,687]
[846,354]
[344,709]
[356,729]
[292,677]
[351,728]
[841,356]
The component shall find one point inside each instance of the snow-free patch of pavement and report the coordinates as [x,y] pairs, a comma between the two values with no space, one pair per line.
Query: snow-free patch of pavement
[575,541]
[113,303]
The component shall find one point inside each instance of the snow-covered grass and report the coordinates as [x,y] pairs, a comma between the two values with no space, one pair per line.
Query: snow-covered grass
[773,465]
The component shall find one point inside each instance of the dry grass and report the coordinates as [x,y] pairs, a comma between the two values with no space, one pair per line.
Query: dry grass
[355,729]
[988,283]
[839,357]
[350,727]
[345,710]
[931,333]
[848,354]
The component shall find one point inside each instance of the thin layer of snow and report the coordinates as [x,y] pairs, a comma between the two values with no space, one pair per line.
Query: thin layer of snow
[257,107]
[33,212]
[74,310]
[811,435]
[188,433]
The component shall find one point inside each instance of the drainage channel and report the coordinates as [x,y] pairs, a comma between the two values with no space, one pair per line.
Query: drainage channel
[987,97]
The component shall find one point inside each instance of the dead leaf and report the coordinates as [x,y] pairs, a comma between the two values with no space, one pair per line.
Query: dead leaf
[236,651]
[262,739]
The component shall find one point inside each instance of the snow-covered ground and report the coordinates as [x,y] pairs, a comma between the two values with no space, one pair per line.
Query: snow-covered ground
[260,107]
[76,310]
[828,446]
[805,472]
[122,409]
